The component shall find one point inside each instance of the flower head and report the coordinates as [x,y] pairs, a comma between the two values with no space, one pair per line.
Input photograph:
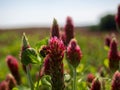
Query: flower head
[53,64]
[107,41]
[28,55]
[11,81]
[56,49]
[47,64]
[96,85]
[13,66]
[74,53]
[55,29]
[117,17]
[116,81]
[4,85]
[113,55]
[90,77]
[69,30]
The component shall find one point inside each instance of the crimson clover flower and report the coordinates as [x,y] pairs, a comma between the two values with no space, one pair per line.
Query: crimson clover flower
[90,77]
[69,30]
[56,49]
[53,63]
[13,66]
[107,40]
[55,29]
[113,55]
[11,81]
[116,81]
[74,53]
[96,85]
[117,17]
[4,85]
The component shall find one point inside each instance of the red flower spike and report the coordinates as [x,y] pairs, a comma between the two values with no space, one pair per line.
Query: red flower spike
[107,41]
[69,30]
[116,81]
[47,64]
[74,53]
[113,55]
[4,85]
[90,78]
[13,66]
[11,81]
[96,85]
[56,49]
[53,64]
[55,29]
[117,17]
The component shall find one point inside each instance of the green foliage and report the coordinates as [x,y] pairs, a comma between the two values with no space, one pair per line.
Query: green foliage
[94,56]
[29,55]
[21,88]
[107,22]
[41,42]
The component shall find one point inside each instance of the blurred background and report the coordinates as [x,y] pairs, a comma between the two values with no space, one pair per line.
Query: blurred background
[40,13]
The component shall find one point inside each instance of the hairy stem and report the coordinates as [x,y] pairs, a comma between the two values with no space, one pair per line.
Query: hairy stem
[74,79]
[29,78]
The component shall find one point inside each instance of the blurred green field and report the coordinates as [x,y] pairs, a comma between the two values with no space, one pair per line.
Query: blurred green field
[91,43]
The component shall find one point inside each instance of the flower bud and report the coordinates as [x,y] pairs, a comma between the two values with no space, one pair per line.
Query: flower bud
[25,43]
[28,55]
[74,53]
[90,77]
[44,50]
[63,37]
[69,30]
[4,85]
[11,81]
[117,17]
[113,55]
[107,41]
[116,81]
[96,85]
[13,67]
[55,29]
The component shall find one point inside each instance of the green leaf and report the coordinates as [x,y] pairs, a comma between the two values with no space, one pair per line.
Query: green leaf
[42,42]
[106,48]
[106,63]
[29,55]
[46,80]
[36,83]
[80,68]
[21,88]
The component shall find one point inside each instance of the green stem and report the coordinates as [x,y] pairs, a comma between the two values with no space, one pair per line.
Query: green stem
[74,79]
[39,78]
[119,65]
[29,78]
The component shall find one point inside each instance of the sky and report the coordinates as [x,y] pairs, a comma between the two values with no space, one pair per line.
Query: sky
[36,13]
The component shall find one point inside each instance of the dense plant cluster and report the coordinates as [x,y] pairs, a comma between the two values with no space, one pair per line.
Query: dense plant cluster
[51,54]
